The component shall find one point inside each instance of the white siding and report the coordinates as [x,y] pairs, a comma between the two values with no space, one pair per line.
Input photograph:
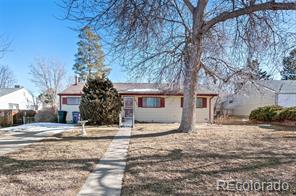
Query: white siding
[170,113]
[21,97]
[69,108]
[252,97]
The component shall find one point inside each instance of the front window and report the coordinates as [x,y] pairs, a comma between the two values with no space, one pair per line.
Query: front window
[201,102]
[73,100]
[151,102]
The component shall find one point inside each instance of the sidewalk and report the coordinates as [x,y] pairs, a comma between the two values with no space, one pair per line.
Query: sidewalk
[107,176]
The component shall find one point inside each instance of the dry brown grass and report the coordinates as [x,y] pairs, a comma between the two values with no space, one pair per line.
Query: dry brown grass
[57,166]
[5,135]
[164,162]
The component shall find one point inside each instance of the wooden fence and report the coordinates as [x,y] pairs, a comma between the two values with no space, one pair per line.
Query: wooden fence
[15,117]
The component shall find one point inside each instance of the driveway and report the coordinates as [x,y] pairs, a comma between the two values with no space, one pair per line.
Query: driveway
[14,138]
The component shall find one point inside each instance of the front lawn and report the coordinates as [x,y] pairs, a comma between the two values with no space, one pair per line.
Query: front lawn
[164,162]
[57,166]
[5,135]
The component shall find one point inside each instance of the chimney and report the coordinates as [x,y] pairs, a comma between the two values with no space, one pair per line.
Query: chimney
[17,86]
[76,80]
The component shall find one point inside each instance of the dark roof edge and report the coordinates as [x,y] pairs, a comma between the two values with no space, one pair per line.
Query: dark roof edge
[155,94]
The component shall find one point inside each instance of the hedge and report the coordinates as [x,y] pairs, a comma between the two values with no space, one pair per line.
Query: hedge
[46,115]
[287,114]
[273,113]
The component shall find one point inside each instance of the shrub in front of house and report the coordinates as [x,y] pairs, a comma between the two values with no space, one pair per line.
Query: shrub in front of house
[273,113]
[287,114]
[46,115]
[266,113]
[100,103]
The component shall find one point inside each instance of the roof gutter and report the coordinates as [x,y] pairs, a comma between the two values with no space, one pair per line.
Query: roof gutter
[166,94]
[210,109]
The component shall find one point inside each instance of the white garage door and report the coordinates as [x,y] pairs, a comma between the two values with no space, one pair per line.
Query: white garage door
[287,100]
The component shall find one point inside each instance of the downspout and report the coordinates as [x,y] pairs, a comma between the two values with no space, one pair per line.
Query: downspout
[210,109]
[60,102]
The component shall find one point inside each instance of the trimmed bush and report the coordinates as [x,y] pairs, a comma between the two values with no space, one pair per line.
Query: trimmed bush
[273,113]
[287,114]
[46,115]
[267,113]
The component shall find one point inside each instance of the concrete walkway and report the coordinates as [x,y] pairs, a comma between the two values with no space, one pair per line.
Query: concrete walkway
[107,177]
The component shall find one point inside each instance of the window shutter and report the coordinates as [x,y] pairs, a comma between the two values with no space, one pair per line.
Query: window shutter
[140,102]
[204,102]
[182,99]
[162,102]
[64,101]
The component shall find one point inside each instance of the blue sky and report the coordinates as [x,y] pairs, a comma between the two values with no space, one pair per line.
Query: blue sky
[35,31]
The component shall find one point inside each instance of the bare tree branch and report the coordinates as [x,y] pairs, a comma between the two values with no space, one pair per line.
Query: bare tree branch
[189,5]
[6,77]
[248,10]
[4,46]
[48,76]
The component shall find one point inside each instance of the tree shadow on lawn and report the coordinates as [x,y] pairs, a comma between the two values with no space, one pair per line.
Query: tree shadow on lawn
[70,138]
[208,167]
[54,138]
[158,134]
[11,166]
[58,137]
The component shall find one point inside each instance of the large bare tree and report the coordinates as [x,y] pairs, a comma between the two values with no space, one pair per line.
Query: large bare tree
[4,45]
[49,77]
[6,77]
[175,40]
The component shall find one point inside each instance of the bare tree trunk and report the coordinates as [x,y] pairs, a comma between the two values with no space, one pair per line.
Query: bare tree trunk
[190,83]
[191,69]
[188,112]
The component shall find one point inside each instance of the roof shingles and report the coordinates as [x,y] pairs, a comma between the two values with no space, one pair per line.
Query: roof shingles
[137,88]
[6,91]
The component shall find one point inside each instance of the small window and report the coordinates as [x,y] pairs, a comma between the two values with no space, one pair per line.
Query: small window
[151,102]
[73,100]
[201,102]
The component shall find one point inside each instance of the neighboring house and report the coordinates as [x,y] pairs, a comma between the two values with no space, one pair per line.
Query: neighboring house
[147,102]
[261,93]
[16,98]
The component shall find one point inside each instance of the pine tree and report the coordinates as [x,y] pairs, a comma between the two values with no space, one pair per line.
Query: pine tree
[89,59]
[256,71]
[100,102]
[289,66]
